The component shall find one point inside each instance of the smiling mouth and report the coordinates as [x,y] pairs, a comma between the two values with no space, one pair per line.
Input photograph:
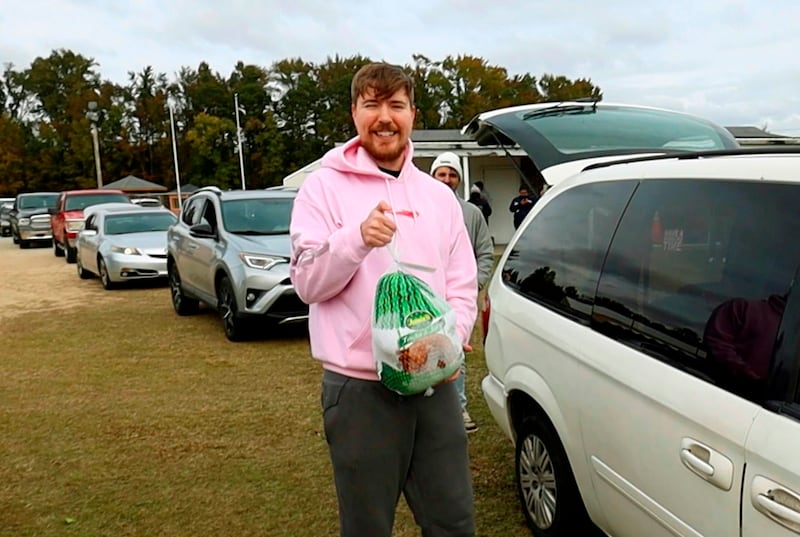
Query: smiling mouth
[385,134]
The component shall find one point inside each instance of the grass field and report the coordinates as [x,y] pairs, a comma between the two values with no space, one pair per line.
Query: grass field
[120,418]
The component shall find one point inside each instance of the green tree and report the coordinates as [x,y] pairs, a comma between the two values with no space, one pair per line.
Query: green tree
[62,84]
[211,140]
[147,122]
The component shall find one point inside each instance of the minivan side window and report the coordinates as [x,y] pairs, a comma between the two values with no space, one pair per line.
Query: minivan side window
[697,276]
[558,257]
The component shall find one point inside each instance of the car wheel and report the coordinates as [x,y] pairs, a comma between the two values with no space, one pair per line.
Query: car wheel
[183,304]
[105,278]
[235,326]
[83,274]
[70,253]
[547,491]
[58,252]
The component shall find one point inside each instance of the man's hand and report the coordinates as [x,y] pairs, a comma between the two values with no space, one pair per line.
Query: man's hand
[378,229]
[454,376]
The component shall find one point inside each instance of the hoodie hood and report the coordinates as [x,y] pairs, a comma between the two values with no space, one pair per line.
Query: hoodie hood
[352,158]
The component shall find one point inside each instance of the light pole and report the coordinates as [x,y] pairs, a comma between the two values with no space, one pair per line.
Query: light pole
[239,136]
[93,116]
[175,155]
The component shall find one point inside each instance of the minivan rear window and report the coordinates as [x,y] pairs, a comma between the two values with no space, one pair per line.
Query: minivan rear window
[605,128]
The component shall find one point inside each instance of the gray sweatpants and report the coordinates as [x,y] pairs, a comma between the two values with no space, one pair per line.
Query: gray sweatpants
[383,444]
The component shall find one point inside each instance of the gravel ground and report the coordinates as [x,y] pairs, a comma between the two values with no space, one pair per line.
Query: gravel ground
[34,280]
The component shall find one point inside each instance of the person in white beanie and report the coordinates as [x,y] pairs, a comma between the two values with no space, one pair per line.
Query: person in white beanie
[447,169]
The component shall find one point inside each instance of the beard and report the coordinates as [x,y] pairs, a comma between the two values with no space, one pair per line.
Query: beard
[383,150]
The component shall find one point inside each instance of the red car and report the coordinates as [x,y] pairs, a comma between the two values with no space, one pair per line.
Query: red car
[67,217]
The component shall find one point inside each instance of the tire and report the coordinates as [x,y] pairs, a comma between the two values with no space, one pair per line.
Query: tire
[70,253]
[105,278]
[83,274]
[24,244]
[548,495]
[235,327]
[182,304]
[58,252]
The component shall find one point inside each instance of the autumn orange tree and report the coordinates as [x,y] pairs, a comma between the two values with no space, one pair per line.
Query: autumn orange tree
[292,112]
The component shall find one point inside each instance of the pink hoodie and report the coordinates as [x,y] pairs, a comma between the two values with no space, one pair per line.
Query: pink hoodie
[334,272]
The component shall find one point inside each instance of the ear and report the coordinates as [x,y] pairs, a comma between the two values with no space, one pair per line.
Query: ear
[353,111]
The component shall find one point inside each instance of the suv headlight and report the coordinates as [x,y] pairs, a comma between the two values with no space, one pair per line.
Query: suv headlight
[127,250]
[24,222]
[260,261]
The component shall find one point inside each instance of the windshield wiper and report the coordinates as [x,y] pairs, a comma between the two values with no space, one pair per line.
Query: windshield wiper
[558,110]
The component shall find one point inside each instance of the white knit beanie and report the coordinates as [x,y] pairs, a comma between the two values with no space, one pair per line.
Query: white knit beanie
[450,160]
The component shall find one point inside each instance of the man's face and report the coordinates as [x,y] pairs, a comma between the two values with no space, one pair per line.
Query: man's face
[384,126]
[448,176]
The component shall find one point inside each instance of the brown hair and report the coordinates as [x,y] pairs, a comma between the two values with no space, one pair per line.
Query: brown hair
[384,79]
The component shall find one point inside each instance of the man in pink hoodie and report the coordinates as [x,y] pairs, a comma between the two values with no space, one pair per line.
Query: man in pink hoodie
[366,195]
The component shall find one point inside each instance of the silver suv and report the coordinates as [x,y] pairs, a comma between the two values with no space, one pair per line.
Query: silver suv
[230,250]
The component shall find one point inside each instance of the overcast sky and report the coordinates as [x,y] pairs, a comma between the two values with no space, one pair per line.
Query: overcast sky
[735,62]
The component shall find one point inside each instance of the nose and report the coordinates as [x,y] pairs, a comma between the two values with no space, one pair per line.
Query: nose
[383,112]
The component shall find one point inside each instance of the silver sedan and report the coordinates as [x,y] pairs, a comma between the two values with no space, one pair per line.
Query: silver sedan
[121,245]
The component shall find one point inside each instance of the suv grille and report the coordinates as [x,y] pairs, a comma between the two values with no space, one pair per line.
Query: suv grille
[289,306]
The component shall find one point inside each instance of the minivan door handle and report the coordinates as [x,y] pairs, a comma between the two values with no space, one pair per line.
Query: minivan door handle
[776,502]
[707,463]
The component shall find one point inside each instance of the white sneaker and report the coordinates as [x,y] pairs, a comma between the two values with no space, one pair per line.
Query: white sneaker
[469,423]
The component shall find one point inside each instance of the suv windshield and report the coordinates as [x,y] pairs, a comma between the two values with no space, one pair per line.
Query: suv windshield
[44,201]
[257,216]
[81,201]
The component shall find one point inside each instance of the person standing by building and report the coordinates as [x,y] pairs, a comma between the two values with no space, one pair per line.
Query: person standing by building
[447,169]
[367,195]
[476,198]
[522,205]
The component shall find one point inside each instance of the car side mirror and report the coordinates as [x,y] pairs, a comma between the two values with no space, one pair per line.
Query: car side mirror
[202,231]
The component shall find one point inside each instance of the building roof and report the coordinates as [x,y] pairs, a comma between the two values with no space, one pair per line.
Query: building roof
[131,183]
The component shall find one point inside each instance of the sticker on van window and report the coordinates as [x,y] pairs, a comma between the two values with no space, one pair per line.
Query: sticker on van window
[673,240]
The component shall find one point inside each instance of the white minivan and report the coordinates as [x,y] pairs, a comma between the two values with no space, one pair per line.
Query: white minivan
[643,346]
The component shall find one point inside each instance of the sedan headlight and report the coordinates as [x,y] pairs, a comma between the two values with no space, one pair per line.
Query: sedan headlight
[260,261]
[127,250]
[24,222]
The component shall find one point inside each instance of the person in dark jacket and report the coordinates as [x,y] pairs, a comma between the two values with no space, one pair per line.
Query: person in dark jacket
[522,205]
[740,339]
[476,198]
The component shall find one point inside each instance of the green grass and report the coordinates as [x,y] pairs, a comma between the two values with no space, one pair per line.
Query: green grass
[121,418]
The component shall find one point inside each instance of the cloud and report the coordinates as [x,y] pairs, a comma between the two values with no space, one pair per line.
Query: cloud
[728,60]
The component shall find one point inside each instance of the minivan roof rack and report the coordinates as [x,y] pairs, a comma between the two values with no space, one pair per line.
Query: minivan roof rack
[686,155]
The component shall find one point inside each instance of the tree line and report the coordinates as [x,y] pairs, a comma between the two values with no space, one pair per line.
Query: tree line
[291,113]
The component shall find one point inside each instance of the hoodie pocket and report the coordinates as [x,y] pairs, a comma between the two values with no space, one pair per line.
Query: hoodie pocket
[363,340]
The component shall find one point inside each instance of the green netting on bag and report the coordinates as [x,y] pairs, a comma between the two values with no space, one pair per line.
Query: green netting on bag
[398,295]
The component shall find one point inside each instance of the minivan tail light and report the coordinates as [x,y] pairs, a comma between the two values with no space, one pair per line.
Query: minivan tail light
[486,310]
